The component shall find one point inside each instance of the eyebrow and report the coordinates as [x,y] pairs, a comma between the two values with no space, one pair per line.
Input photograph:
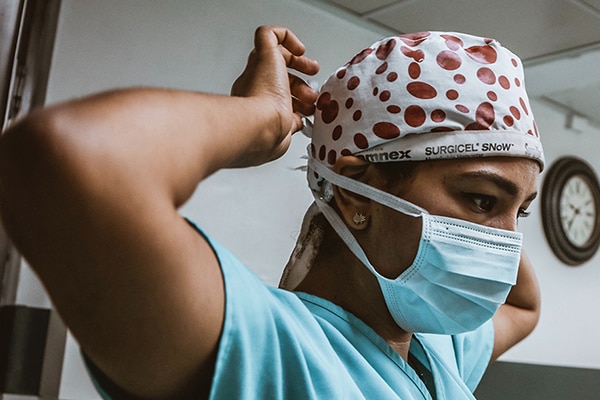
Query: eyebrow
[505,184]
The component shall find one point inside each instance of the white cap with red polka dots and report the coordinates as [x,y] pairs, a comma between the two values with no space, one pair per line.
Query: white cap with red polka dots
[425,96]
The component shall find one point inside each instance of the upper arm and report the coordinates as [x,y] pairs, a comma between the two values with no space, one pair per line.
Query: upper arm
[139,288]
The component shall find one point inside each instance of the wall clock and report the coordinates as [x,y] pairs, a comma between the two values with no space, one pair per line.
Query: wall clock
[571,210]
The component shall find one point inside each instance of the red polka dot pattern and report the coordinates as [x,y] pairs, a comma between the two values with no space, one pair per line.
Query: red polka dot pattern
[384,50]
[331,157]
[460,79]
[414,116]
[385,95]
[486,75]
[438,115]
[424,88]
[523,105]
[361,56]
[421,90]
[448,60]
[416,55]
[337,132]
[353,83]
[453,42]
[452,94]
[361,141]
[414,70]
[515,111]
[482,54]
[386,130]
[393,109]
[462,109]
[485,115]
[414,39]
[329,108]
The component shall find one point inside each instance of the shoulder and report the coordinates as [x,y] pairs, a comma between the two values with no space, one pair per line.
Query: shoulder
[271,342]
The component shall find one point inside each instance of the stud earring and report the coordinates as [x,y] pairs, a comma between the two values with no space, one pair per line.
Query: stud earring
[359,218]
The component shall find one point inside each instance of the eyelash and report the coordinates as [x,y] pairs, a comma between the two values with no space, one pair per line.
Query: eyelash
[474,197]
[523,213]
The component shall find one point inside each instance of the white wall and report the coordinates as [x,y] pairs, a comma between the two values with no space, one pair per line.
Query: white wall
[202,45]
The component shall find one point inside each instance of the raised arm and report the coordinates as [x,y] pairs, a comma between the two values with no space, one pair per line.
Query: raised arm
[89,194]
[519,315]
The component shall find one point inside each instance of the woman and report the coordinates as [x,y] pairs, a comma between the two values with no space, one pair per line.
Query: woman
[90,191]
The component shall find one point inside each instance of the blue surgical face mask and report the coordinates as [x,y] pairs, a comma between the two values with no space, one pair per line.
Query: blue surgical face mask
[461,274]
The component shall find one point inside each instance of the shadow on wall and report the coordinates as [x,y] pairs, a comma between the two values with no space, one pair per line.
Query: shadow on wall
[516,381]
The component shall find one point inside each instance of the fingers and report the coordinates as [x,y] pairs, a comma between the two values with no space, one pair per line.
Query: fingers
[276,51]
[271,36]
[268,37]
[303,64]
[303,96]
[301,90]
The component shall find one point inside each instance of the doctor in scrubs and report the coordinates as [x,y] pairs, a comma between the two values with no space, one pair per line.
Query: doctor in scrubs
[408,277]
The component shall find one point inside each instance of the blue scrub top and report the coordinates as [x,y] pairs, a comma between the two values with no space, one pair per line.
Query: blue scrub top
[278,344]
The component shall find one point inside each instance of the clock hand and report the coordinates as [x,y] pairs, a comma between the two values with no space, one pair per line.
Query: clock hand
[570,223]
[572,220]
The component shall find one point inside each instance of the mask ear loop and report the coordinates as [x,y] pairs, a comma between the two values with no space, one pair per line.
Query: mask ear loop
[367,191]
[344,233]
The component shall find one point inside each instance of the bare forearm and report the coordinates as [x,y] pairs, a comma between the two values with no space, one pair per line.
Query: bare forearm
[525,294]
[517,318]
[169,139]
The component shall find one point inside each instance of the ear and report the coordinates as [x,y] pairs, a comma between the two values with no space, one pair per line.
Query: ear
[353,208]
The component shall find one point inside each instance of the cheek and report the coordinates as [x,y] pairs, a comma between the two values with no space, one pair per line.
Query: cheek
[396,242]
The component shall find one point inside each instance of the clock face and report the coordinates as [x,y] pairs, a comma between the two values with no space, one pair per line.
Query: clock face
[571,210]
[577,210]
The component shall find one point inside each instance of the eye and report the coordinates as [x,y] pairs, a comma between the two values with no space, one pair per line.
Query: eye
[482,202]
[523,213]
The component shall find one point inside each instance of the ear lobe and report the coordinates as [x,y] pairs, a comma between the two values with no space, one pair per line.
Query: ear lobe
[353,208]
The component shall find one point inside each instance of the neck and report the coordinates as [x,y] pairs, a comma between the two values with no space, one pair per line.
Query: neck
[358,292]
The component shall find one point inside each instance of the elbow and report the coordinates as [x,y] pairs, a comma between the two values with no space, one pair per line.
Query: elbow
[527,321]
[534,319]
[30,156]
[27,149]
[28,142]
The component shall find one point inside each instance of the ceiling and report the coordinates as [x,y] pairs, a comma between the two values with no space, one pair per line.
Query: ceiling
[558,40]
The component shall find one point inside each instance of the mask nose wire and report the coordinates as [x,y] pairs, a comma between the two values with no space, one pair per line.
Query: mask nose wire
[367,191]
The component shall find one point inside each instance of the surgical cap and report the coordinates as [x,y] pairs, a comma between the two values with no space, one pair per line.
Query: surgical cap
[425,96]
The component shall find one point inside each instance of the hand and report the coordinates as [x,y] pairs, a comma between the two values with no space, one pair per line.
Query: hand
[266,76]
